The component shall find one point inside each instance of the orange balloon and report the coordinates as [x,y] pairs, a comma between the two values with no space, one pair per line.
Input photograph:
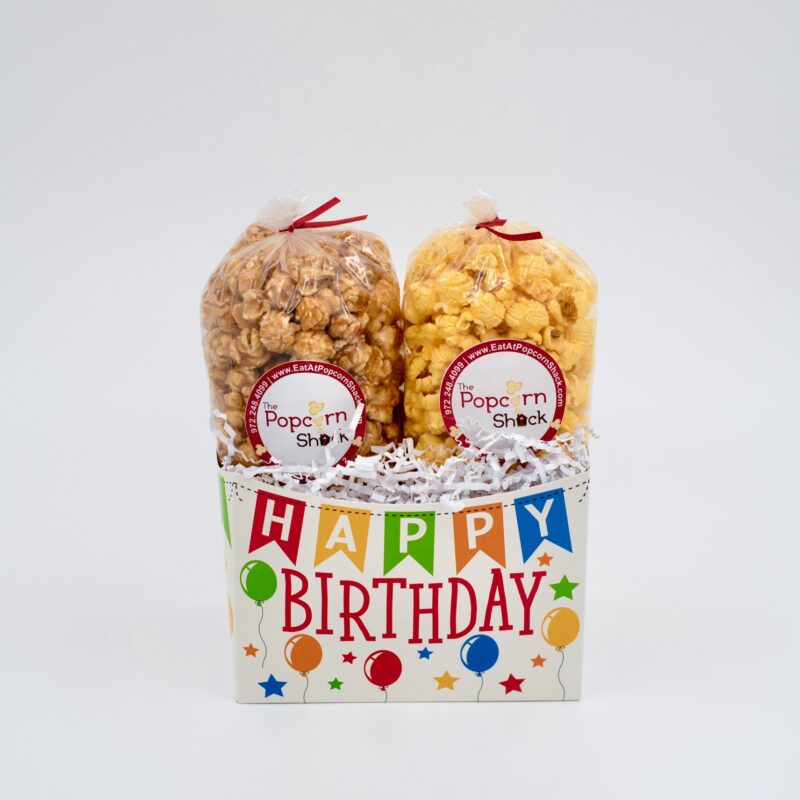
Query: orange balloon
[560,627]
[303,652]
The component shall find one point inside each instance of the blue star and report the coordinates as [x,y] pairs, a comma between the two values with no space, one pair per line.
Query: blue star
[272,686]
[425,653]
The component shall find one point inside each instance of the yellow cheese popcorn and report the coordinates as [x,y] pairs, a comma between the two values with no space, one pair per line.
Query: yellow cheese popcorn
[466,285]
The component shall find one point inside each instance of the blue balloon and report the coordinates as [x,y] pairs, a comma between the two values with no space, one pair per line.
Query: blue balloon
[479,653]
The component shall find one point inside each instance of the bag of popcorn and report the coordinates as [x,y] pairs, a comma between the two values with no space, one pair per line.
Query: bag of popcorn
[499,334]
[302,338]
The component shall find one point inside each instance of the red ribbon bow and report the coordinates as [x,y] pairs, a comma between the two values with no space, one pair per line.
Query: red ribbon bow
[305,220]
[512,237]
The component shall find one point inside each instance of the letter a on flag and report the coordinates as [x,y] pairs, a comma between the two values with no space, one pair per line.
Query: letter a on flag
[345,530]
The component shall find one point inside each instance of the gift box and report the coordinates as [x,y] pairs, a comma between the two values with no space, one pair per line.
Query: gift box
[333,600]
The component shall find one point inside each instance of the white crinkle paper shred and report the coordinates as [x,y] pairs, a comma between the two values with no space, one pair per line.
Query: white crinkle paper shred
[396,474]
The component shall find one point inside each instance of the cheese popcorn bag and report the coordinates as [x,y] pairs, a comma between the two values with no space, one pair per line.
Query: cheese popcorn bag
[499,334]
[302,336]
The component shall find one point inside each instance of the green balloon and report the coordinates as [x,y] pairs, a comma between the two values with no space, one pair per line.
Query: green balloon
[258,580]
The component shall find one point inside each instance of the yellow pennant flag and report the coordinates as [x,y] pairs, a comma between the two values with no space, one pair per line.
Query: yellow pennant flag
[342,530]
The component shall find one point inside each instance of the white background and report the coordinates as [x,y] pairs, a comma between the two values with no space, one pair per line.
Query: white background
[659,139]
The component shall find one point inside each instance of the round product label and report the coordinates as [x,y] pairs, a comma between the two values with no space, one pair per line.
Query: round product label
[304,412]
[503,385]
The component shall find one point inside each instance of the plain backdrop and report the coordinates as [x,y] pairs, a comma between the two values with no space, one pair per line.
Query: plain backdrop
[659,139]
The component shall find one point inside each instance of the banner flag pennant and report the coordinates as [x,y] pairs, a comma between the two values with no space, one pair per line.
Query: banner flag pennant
[408,533]
[278,519]
[223,499]
[344,530]
[542,518]
[479,528]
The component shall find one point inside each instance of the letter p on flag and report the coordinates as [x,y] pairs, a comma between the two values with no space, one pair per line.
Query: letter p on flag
[408,533]
[479,529]
[277,519]
[542,518]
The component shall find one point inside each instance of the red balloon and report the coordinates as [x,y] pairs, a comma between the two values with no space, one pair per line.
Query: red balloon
[382,668]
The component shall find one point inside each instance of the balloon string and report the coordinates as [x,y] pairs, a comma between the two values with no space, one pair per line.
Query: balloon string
[563,690]
[385,694]
[478,698]
[306,689]
[263,660]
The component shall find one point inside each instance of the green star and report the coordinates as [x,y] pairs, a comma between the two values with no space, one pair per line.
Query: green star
[564,588]
[335,683]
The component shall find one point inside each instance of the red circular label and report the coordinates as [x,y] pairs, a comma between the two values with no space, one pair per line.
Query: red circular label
[306,412]
[503,385]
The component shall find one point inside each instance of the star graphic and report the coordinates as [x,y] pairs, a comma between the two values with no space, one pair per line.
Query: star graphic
[563,588]
[249,650]
[425,653]
[335,683]
[272,686]
[348,658]
[544,560]
[512,684]
[538,661]
[445,681]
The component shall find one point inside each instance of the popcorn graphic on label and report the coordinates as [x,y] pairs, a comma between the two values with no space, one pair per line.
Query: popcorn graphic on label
[512,387]
[314,407]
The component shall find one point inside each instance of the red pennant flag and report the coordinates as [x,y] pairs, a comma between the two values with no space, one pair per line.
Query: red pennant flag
[277,519]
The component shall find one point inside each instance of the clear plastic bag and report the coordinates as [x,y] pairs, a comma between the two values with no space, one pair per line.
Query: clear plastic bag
[293,296]
[499,334]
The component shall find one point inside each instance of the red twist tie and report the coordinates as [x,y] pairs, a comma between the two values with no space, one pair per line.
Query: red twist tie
[492,225]
[306,220]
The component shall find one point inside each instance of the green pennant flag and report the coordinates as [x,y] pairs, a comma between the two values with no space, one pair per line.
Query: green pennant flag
[223,500]
[408,533]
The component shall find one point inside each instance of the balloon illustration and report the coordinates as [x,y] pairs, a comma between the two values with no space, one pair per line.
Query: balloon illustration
[382,669]
[479,653]
[560,627]
[303,653]
[259,583]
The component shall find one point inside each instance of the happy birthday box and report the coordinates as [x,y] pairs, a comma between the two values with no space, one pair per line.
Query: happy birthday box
[339,601]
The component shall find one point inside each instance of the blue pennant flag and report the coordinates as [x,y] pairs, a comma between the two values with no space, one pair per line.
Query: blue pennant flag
[542,518]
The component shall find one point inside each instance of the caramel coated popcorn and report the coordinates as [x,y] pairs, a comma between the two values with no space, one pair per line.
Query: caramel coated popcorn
[327,295]
[467,286]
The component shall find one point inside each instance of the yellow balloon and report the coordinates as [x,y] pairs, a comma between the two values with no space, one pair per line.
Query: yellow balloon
[230,615]
[560,627]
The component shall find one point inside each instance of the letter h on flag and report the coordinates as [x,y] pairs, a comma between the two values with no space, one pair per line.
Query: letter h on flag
[277,519]
[542,518]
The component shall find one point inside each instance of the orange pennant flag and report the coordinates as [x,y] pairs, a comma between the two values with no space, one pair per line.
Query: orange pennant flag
[342,530]
[479,528]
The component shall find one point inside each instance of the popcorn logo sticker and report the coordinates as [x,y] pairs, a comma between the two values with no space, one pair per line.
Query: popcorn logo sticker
[500,385]
[286,427]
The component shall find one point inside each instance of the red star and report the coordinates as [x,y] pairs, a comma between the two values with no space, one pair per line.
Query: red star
[512,684]
[249,650]
[348,658]
[544,560]
[538,661]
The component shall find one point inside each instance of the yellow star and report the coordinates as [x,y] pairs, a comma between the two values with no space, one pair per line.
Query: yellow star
[249,650]
[538,661]
[445,681]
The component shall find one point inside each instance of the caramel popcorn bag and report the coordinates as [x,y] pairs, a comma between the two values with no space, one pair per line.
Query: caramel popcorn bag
[302,339]
[499,334]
